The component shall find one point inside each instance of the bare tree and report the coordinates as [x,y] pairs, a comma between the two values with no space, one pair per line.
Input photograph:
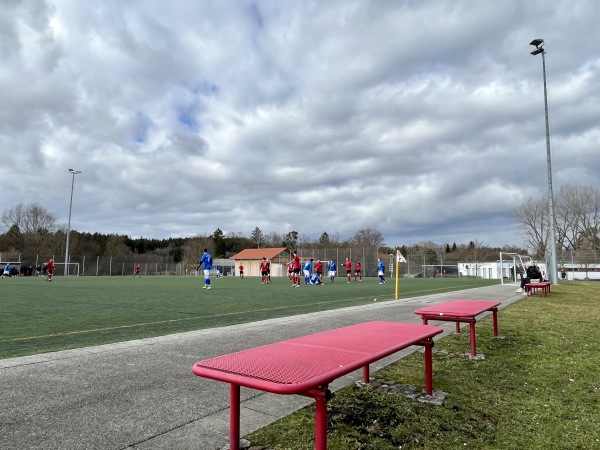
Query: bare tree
[474,253]
[334,239]
[586,210]
[577,211]
[305,241]
[193,249]
[533,215]
[368,237]
[567,210]
[273,239]
[28,226]
[235,235]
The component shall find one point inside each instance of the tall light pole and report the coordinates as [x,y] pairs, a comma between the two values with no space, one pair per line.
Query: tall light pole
[553,269]
[73,172]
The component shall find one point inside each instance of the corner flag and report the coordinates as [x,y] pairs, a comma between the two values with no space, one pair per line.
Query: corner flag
[399,257]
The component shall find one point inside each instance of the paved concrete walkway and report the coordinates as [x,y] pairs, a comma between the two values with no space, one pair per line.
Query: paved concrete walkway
[142,394]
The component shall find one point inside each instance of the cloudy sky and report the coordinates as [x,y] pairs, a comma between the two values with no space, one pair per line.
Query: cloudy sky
[421,119]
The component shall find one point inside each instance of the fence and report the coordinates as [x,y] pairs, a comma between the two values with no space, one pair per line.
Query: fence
[155,265]
[418,264]
[576,264]
[96,265]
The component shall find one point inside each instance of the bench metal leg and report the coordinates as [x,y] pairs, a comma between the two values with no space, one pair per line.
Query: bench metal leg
[321,424]
[495,319]
[321,396]
[428,344]
[366,374]
[473,343]
[234,417]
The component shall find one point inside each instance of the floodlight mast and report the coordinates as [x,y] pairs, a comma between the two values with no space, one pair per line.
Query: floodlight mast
[553,269]
[73,173]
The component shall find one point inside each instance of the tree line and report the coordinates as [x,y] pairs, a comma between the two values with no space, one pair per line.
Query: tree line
[31,229]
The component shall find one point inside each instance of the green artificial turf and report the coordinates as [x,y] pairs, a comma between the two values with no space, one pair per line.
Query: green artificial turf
[71,312]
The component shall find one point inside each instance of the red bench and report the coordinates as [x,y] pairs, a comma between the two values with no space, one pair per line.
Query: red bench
[306,365]
[461,311]
[531,288]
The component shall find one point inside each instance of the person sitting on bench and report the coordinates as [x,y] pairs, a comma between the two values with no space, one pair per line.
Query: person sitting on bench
[533,275]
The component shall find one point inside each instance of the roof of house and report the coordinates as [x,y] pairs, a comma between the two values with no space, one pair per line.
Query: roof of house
[260,253]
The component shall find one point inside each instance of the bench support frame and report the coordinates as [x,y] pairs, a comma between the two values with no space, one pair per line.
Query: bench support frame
[462,319]
[321,395]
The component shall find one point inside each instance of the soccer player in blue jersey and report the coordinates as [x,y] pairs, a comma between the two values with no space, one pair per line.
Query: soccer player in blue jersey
[381,271]
[332,269]
[307,271]
[315,280]
[206,260]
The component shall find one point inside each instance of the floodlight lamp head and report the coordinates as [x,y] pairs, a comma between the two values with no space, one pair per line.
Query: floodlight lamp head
[537,43]
[539,46]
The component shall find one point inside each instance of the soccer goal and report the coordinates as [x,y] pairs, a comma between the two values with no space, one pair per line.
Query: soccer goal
[511,265]
[440,271]
[72,269]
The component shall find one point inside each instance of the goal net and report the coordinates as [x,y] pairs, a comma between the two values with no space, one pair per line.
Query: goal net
[72,269]
[511,265]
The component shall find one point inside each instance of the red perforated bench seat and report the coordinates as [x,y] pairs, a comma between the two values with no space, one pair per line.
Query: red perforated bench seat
[461,311]
[531,288]
[306,365]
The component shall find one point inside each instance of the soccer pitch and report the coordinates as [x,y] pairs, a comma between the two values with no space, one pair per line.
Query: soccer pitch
[73,312]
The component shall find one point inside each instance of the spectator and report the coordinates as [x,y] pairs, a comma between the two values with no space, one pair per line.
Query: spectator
[532,273]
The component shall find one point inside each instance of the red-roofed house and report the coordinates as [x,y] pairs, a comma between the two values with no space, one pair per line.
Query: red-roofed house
[251,257]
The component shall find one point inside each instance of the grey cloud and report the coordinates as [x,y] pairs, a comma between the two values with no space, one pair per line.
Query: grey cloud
[423,120]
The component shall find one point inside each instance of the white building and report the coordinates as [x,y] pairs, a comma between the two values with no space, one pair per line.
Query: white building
[497,270]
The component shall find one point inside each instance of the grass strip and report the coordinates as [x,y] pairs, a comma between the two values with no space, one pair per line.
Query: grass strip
[538,388]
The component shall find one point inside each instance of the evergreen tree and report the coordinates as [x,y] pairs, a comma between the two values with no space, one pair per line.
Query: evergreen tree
[257,237]
[291,240]
[219,243]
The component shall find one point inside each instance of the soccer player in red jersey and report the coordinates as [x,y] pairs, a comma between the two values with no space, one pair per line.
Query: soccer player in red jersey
[358,271]
[319,270]
[264,271]
[348,269]
[296,275]
[50,269]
